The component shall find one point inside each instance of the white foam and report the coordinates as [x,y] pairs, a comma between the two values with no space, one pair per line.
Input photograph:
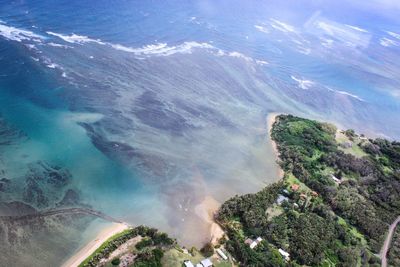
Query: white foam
[303,84]
[261,28]
[393,34]
[328,43]
[281,26]
[388,42]
[16,34]
[158,49]
[356,28]
[304,50]
[76,39]
[58,45]
[347,35]
[347,94]
[262,62]
[162,49]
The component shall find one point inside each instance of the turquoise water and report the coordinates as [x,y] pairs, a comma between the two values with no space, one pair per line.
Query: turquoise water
[143,109]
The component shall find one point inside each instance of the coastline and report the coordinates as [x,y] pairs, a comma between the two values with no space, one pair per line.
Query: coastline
[90,247]
[206,210]
[271,118]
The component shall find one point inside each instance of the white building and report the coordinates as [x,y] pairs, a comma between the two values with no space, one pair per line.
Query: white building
[206,263]
[284,254]
[188,264]
[281,199]
[222,254]
[255,242]
[338,181]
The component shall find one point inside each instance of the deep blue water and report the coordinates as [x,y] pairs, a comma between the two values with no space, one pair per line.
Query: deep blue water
[150,106]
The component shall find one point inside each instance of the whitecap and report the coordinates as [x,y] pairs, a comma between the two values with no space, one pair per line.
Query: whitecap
[347,94]
[393,34]
[16,34]
[281,26]
[76,39]
[356,28]
[303,84]
[58,45]
[387,42]
[348,36]
[261,28]
[162,49]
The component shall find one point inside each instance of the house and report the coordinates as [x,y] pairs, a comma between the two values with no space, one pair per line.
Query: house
[303,196]
[248,241]
[255,242]
[188,263]
[222,254]
[295,187]
[314,194]
[206,263]
[281,199]
[284,254]
[199,265]
[338,181]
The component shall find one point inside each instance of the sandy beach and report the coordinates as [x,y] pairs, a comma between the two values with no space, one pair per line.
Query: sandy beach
[271,118]
[89,248]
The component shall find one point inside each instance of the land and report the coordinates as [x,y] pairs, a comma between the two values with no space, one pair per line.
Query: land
[333,207]
[91,247]
[337,204]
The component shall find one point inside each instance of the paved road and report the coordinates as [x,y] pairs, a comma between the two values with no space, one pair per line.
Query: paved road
[388,240]
[62,211]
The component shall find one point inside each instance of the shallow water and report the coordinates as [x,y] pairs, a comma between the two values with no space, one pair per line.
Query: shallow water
[144,109]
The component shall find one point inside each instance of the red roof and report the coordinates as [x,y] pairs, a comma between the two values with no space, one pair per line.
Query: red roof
[295,187]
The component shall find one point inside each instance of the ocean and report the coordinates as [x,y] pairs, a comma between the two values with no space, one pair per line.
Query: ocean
[141,109]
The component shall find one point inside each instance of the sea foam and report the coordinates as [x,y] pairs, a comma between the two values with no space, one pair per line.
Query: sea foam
[75,39]
[16,34]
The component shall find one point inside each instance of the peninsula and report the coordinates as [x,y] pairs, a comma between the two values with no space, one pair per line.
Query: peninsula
[334,205]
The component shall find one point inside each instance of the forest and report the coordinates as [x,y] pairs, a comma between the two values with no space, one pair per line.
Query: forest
[339,194]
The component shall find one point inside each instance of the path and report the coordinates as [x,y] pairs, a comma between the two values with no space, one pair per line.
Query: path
[388,240]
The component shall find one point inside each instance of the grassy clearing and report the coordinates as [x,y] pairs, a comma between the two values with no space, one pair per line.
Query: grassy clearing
[353,231]
[355,149]
[175,258]
[291,179]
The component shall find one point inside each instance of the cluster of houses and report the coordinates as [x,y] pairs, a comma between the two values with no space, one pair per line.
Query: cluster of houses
[206,262]
[254,243]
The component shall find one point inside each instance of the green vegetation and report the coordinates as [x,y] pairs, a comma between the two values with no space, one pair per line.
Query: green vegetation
[207,250]
[150,248]
[394,251]
[116,261]
[339,194]
[338,205]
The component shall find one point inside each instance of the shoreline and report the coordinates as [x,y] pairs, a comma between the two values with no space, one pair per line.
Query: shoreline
[205,210]
[271,118]
[89,248]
